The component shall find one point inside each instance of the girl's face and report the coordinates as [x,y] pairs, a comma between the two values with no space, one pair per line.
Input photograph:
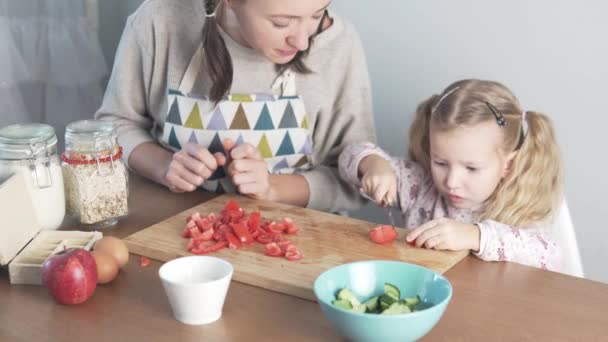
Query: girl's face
[277,29]
[466,163]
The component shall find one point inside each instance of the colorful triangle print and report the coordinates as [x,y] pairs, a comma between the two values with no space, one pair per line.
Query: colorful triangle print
[264,97]
[216,145]
[240,140]
[280,165]
[192,138]
[307,147]
[240,119]
[174,116]
[304,122]
[286,147]
[289,118]
[220,189]
[265,121]
[194,119]
[217,120]
[173,139]
[241,98]
[264,147]
[218,174]
[303,161]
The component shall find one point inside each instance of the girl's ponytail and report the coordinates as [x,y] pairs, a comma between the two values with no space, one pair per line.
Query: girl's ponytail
[217,57]
[532,188]
[419,149]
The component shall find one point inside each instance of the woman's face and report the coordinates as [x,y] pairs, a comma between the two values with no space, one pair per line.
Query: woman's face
[277,29]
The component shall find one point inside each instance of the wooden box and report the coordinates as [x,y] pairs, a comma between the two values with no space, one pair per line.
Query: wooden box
[23,247]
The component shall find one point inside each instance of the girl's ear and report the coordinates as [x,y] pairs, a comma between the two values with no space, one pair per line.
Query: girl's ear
[508,163]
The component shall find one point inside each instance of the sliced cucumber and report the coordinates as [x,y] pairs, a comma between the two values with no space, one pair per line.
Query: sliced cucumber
[392,291]
[373,304]
[346,294]
[386,301]
[361,308]
[397,308]
[344,304]
[411,301]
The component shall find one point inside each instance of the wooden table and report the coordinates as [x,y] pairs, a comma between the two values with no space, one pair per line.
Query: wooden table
[492,301]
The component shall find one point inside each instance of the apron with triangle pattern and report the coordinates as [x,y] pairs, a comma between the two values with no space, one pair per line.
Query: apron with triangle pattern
[276,124]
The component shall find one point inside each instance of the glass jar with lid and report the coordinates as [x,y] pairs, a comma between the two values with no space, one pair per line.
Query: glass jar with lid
[96,179]
[31,149]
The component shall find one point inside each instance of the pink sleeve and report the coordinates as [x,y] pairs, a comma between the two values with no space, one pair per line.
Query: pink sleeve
[348,163]
[529,246]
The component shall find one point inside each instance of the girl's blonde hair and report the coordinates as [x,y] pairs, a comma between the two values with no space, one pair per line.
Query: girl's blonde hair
[532,187]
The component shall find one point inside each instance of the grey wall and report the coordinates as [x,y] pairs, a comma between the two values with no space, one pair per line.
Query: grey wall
[551,53]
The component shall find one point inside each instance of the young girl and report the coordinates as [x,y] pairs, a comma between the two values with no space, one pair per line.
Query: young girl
[483,175]
[285,81]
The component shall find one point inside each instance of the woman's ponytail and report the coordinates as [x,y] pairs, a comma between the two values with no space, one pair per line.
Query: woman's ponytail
[217,57]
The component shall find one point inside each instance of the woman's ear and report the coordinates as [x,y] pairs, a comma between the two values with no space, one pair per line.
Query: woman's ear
[508,164]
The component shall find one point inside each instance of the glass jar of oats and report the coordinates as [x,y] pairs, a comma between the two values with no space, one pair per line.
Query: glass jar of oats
[96,179]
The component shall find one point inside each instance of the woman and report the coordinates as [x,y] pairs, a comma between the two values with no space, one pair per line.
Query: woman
[279,86]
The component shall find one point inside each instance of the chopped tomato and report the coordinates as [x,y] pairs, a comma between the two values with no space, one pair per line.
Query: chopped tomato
[232,205]
[233,241]
[242,233]
[203,224]
[194,216]
[253,223]
[383,234]
[206,249]
[293,253]
[143,261]
[291,227]
[272,249]
[207,235]
[263,238]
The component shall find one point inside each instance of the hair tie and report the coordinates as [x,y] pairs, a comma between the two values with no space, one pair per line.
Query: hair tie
[212,15]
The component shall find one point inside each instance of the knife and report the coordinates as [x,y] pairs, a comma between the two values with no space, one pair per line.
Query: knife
[389,210]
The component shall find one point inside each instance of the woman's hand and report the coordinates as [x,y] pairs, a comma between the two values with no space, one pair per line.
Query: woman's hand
[446,234]
[248,170]
[378,179]
[190,167]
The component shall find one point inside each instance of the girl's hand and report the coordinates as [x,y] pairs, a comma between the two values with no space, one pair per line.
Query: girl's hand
[378,179]
[190,167]
[248,170]
[446,234]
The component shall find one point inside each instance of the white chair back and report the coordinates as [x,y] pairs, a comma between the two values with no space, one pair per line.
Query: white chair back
[563,230]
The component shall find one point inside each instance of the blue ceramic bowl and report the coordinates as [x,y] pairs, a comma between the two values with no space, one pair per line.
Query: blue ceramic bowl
[366,279]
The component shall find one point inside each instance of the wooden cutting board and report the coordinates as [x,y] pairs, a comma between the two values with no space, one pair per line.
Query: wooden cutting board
[326,240]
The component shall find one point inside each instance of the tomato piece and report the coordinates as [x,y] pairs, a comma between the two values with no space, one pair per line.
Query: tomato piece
[383,234]
[242,233]
[254,220]
[233,241]
[293,253]
[272,249]
[203,224]
[143,261]
[232,205]
[284,244]
[212,218]
[206,249]
[194,216]
[207,235]
[291,227]
[263,238]
[194,243]
[219,235]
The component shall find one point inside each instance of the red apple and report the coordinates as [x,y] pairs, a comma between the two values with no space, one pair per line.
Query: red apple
[70,275]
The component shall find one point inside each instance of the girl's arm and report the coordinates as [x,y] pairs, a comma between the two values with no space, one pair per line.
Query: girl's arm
[532,246]
[411,178]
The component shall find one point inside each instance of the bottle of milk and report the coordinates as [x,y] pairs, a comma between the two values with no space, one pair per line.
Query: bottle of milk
[31,149]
